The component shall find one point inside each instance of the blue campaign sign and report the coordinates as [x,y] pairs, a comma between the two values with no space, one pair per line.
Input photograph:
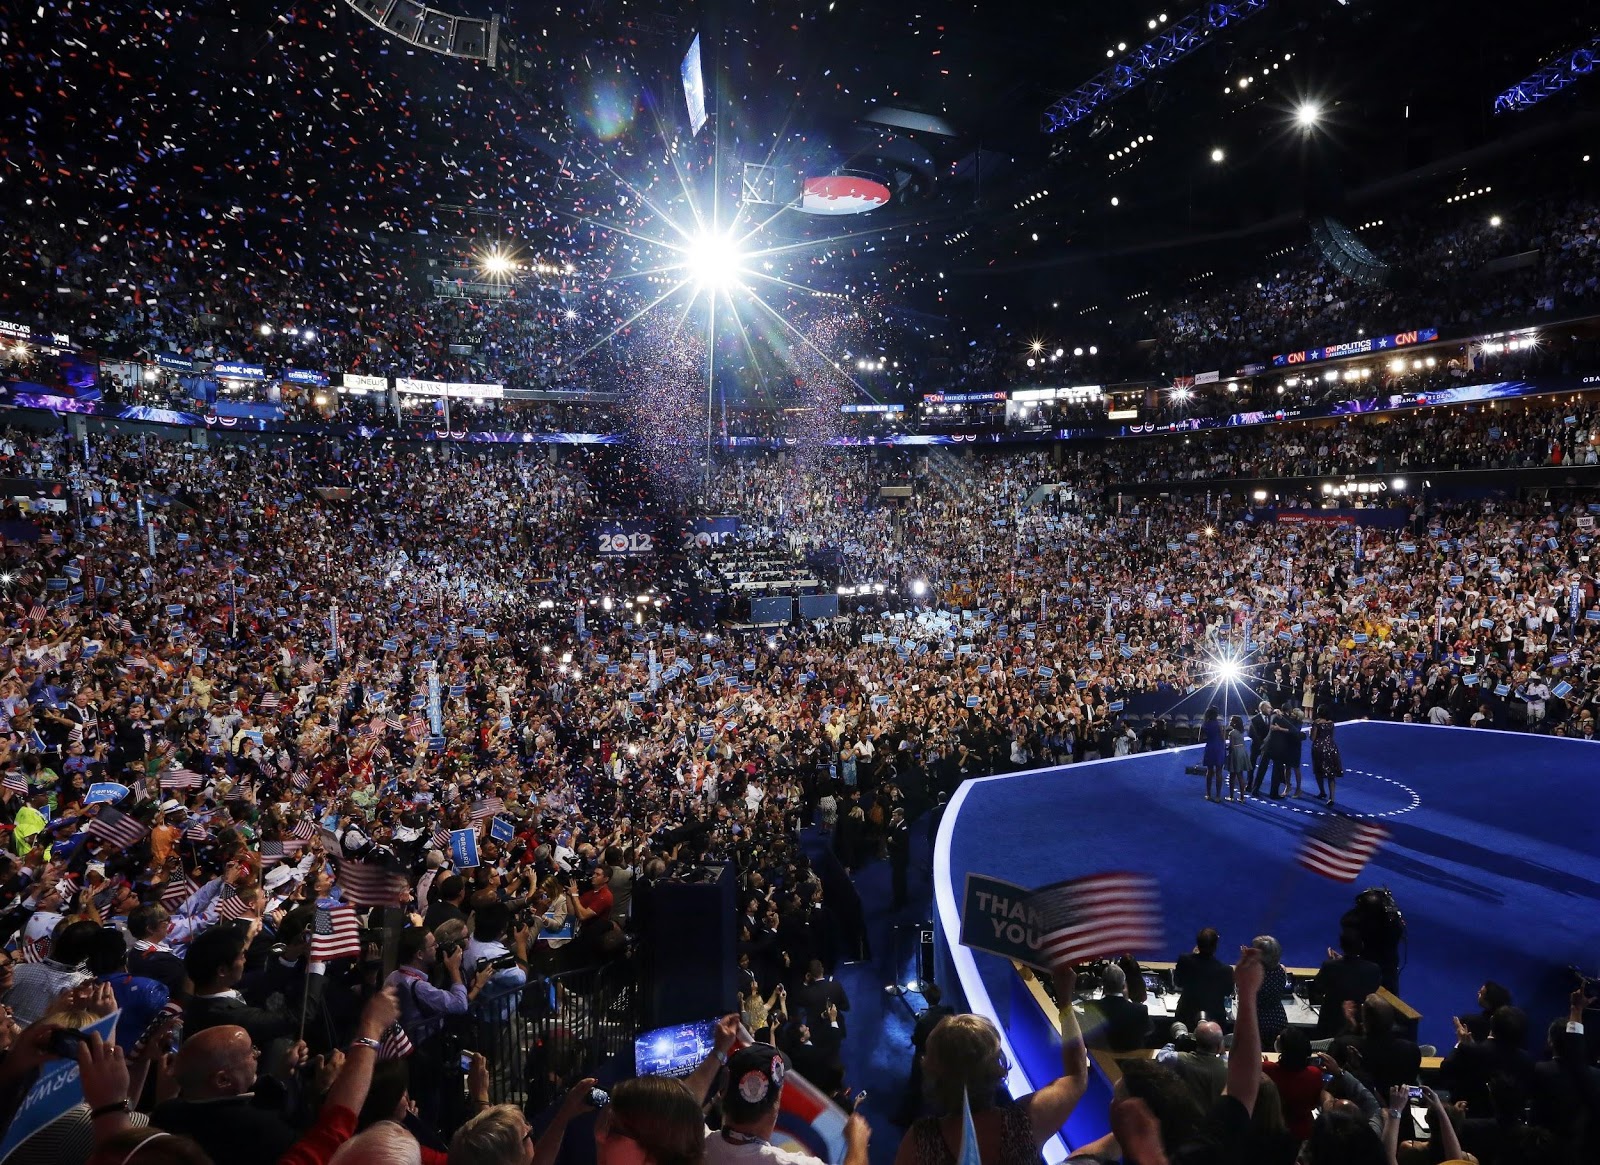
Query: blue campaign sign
[105,792]
[56,1090]
[463,848]
[501,830]
[996,917]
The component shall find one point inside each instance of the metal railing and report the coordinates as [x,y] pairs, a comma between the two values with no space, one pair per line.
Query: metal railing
[538,1038]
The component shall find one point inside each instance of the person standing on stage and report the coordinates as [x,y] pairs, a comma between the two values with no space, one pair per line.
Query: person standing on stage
[1260,754]
[1216,753]
[1238,759]
[1325,763]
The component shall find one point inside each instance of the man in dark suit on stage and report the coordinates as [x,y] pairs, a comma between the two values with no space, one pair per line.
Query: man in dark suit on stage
[1260,730]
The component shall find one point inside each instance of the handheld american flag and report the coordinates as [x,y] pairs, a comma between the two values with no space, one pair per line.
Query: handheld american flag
[485,808]
[396,1044]
[1096,916]
[1340,847]
[335,933]
[232,905]
[178,891]
[118,828]
[368,884]
[179,777]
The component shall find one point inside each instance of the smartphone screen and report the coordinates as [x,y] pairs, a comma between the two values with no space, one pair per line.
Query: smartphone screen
[673,1051]
[466,1061]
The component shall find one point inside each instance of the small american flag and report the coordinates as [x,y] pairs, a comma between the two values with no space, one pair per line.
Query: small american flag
[118,828]
[394,722]
[171,1010]
[303,830]
[231,905]
[396,1044]
[300,779]
[366,884]
[34,950]
[268,701]
[335,933]
[1340,847]
[1097,916]
[486,807]
[272,854]
[36,612]
[440,838]
[179,777]
[178,891]
[16,781]
[196,831]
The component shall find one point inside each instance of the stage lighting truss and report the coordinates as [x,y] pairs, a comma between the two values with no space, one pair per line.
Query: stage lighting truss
[1550,79]
[439,32]
[1192,32]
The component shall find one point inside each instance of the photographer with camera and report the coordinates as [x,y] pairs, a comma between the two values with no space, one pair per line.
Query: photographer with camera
[423,1005]
[505,968]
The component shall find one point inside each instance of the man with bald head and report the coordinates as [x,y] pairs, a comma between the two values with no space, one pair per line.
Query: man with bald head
[1205,1070]
[217,1102]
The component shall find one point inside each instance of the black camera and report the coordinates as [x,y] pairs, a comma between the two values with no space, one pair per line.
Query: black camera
[450,948]
[497,964]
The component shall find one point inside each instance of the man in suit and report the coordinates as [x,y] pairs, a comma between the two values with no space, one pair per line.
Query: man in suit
[1115,1021]
[218,1103]
[814,995]
[1204,982]
[215,964]
[1260,730]
[1345,977]
[1387,1058]
[1566,1088]
[1501,1061]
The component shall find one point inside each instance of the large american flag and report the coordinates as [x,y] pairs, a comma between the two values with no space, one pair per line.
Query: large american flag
[335,934]
[366,884]
[1340,847]
[1096,917]
[118,828]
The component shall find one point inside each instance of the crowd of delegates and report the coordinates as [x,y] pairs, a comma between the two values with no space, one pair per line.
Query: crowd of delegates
[235,646]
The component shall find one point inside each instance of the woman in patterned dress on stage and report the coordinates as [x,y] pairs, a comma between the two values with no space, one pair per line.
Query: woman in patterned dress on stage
[1325,763]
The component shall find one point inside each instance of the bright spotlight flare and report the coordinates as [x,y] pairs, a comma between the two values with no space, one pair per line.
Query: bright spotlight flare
[1227,669]
[496,263]
[714,261]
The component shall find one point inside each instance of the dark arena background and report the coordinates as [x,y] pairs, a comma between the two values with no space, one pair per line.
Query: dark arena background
[806,583]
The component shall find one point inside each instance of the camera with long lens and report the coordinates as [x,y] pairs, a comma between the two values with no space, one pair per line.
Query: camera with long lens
[500,963]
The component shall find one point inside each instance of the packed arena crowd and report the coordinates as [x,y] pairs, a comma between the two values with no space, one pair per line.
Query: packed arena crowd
[343,782]
[254,687]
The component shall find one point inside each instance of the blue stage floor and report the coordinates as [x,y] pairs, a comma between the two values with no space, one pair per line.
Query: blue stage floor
[1492,859]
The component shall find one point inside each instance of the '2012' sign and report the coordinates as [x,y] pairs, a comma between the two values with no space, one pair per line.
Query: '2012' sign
[624,539]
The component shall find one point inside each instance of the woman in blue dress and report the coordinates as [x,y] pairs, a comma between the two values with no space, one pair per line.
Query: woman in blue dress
[1216,754]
